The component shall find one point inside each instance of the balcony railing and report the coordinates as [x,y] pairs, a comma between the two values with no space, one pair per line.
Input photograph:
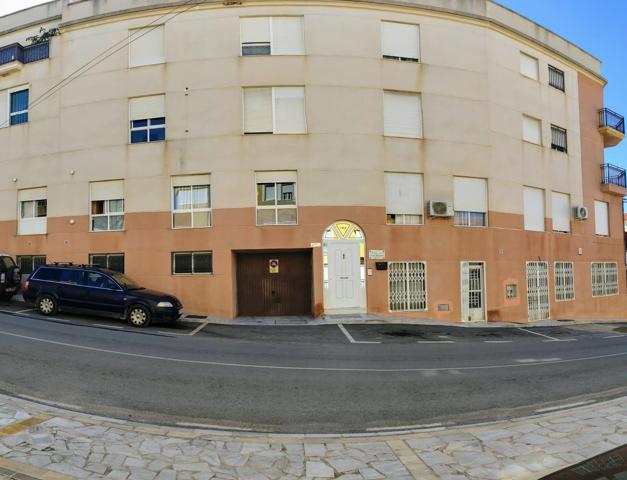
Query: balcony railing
[613,175]
[608,118]
[18,53]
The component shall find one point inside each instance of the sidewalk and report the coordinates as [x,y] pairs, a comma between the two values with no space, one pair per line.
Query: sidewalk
[40,442]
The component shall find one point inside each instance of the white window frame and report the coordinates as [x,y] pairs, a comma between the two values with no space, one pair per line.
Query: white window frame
[553,216]
[132,38]
[271,42]
[601,271]
[526,223]
[607,218]
[276,207]
[33,225]
[34,209]
[274,121]
[15,114]
[406,219]
[537,63]
[107,213]
[396,57]
[564,281]
[539,122]
[190,210]
[421,133]
[407,300]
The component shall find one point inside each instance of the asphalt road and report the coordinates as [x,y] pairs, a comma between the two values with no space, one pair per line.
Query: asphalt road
[307,379]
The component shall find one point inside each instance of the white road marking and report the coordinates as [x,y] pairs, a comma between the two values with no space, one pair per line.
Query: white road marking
[562,340]
[173,333]
[497,341]
[614,336]
[117,327]
[212,427]
[315,369]
[349,336]
[536,360]
[27,310]
[436,341]
[540,334]
[568,405]
[405,427]
[198,328]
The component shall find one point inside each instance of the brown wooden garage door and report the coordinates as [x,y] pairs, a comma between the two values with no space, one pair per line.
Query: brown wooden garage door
[286,292]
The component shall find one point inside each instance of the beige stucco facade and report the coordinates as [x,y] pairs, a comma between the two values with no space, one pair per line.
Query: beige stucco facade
[473,100]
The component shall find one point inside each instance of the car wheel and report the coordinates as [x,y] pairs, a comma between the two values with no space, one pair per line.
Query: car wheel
[139,316]
[47,305]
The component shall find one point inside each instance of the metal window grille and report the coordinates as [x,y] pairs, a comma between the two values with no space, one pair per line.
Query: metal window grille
[29,263]
[538,291]
[407,286]
[564,281]
[604,279]
[556,78]
[559,140]
[470,219]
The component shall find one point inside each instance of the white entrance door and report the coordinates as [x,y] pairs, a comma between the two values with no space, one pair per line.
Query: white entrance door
[473,293]
[344,275]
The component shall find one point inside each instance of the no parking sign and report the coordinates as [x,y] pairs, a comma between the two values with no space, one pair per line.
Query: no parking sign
[273,265]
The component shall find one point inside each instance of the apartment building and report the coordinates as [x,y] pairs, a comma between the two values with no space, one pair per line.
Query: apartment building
[420,158]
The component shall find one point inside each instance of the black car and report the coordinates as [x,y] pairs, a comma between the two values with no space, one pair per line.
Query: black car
[10,277]
[95,290]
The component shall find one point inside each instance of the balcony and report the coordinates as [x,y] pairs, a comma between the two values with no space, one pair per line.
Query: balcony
[611,126]
[14,56]
[614,180]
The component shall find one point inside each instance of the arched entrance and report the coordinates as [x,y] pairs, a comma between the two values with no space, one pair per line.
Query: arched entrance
[344,268]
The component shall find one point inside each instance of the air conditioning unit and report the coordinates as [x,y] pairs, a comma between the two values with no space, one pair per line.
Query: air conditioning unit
[440,209]
[580,213]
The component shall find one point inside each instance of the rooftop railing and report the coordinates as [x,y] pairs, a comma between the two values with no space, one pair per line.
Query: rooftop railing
[608,118]
[19,53]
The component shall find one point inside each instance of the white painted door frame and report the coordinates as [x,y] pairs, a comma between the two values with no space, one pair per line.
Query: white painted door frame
[466,314]
[331,300]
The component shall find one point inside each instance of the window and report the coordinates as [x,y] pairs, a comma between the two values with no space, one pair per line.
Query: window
[29,263]
[529,66]
[107,206]
[404,201]
[532,130]
[556,78]
[71,276]
[604,279]
[402,114]
[112,261]
[538,291]
[48,274]
[560,208]
[407,286]
[400,41]
[98,280]
[272,36]
[470,201]
[192,263]
[601,219]
[146,46]
[19,107]
[147,117]
[274,110]
[559,139]
[564,281]
[276,198]
[533,200]
[33,211]
[191,201]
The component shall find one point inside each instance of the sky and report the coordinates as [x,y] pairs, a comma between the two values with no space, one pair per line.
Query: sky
[597,26]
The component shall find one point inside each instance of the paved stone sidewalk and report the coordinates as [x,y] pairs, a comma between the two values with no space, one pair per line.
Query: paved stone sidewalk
[53,444]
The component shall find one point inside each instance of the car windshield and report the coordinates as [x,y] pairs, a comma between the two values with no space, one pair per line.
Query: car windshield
[123,280]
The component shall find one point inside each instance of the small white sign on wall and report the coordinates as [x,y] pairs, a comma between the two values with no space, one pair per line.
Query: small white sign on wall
[376,254]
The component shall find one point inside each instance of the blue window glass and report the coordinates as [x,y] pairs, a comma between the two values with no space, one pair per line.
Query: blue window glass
[139,123]
[157,121]
[139,136]
[157,134]
[19,107]
[149,130]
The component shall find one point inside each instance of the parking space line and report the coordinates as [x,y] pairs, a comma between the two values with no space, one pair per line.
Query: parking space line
[497,341]
[349,336]
[27,310]
[539,334]
[614,336]
[562,340]
[436,341]
[108,326]
[198,328]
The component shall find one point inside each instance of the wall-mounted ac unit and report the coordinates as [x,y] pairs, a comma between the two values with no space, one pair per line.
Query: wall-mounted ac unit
[439,208]
[580,213]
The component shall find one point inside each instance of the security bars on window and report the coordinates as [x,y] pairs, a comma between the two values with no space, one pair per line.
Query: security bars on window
[556,78]
[564,281]
[559,140]
[604,279]
[192,263]
[407,286]
[276,204]
[404,219]
[470,219]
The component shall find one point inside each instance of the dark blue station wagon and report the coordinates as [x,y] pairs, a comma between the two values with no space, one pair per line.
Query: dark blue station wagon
[94,290]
